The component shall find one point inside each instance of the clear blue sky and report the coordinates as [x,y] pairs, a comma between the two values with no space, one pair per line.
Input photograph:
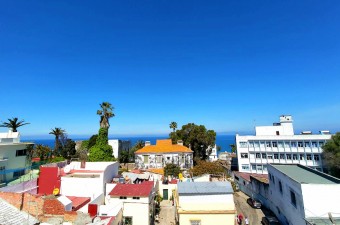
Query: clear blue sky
[222,64]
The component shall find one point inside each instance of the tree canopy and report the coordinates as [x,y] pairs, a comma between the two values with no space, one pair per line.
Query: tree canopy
[101,151]
[105,113]
[205,167]
[173,126]
[196,137]
[57,132]
[171,170]
[331,153]
[14,124]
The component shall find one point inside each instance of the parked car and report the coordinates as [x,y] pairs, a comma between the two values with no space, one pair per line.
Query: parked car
[254,203]
[270,220]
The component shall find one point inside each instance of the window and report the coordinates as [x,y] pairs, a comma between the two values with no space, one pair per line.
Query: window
[277,132]
[292,198]
[256,144]
[137,198]
[264,155]
[195,222]
[282,156]
[289,156]
[280,187]
[19,173]
[280,144]
[270,156]
[243,144]
[302,156]
[245,166]
[300,144]
[268,144]
[21,152]
[314,144]
[158,158]
[259,167]
[127,220]
[264,167]
[146,158]
[258,155]
[276,156]
[122,197]
[262,144]
[295,157]
[244,155]
[274,144]
[309,157]
[287,144]
[307,144]
[321,143]
[253,167]
[251,144]
[316,157]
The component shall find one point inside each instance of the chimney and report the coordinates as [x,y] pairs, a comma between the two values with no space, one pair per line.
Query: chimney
[147,143]
[180,142]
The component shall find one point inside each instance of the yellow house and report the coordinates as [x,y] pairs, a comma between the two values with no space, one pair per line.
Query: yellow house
[205,203]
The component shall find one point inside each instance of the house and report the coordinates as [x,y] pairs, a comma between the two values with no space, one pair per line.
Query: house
[13,156]
[301,195]
[164,152]
[137,202]
[205,203]
[118,146]
[278,144]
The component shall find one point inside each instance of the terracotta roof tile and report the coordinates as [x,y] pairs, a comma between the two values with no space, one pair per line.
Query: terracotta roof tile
[156,170]
[164,146]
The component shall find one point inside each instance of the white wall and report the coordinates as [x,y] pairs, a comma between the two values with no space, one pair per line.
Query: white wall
[81,187]
[205,202]
[115,147]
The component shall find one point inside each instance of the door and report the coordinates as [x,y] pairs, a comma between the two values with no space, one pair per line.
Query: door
[165,194]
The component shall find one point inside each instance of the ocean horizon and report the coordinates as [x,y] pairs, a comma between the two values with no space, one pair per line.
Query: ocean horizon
[222,140]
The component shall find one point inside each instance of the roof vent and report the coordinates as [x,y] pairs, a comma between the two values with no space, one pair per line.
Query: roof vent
[180,142]
[306,132]
[324,132]
[147,143]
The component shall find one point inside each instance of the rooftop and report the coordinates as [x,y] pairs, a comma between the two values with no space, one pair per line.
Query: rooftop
[204,188]
[132,190]
[11,215]
[164,146]
[305,175]
[246,176]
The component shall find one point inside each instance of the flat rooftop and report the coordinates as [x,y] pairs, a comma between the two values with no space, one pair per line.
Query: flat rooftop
[305,175]
[204,188]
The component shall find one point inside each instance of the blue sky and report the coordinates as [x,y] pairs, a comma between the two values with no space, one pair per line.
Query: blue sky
[225,64]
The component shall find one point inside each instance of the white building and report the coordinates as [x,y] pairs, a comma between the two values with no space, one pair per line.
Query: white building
[298,194]
[118,146]
[205,203]
[164,152]
[279,144]
[137,202]
[212,154]
[13,156]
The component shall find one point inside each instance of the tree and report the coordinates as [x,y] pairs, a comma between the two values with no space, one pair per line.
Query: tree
[171,170]
[43,151]
[105,114]
[196,137]
[205,167]
[68,149]
[331,154]
[101,151]
[173,126]
[57,132]
[14,124]
[139,145]
[233,148]
[124,157]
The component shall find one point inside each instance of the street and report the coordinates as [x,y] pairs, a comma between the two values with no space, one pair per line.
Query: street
[167,213]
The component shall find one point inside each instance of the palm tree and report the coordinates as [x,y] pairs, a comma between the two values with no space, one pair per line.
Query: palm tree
[57,132]
[14,124]
[173,126]
[105,114]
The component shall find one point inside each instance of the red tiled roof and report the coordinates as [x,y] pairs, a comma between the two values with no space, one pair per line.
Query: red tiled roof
[133,190]
[246,176]
[173,181]
[164,146]
[78,202]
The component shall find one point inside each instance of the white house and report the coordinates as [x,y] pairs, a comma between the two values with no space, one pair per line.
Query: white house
[205,203]
[13,156]
[279,144]
[164,152]
[300,195]
[137,202]
[118,146]
[212,153]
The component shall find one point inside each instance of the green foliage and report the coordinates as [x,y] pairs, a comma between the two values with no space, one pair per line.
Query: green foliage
[233,148]
[171,170]
[84,145]
[106,112]
[124,157]
[43,152]
[56,159]
[68,149]
[14,124]
[331,154]
[197,137]
[101,151]
[58,133]
[139,145]
[173,126]
[92,141]
[204,167]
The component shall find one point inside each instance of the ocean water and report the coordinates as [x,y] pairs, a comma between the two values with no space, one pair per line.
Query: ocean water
[224,141]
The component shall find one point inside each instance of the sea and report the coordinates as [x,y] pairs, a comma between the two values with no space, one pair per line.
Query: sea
[222,140]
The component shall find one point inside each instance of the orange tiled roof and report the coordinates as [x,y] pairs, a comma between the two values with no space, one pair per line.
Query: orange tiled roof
[164,146]
[156,170]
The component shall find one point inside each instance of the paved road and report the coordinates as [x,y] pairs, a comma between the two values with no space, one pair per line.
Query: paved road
[167,214]
[254,215]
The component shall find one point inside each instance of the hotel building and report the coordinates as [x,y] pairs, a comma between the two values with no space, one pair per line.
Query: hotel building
[278,144]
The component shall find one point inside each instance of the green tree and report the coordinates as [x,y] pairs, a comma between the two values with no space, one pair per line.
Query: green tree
[196,137]
[14,124]
[331,154]
[171,170]
[43,151]
[173,126]
[101,151]
[124,157]
[233,148]
[57,132]
[106,112]
[68,149]
[205,167]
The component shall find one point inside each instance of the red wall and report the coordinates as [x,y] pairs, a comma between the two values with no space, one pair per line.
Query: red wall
[48,180]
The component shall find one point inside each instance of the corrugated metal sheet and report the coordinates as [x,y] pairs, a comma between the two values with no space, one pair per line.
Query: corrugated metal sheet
[205,188]
[10,215]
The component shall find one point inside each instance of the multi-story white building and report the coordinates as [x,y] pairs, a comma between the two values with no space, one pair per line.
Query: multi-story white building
[279,144]
[13,156]
[300,195]
[118,146]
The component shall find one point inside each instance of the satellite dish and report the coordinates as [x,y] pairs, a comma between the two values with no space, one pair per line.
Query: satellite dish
[56,191]
[97,220]
[67,169]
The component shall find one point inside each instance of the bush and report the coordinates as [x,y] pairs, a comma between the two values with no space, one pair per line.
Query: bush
[101,151]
